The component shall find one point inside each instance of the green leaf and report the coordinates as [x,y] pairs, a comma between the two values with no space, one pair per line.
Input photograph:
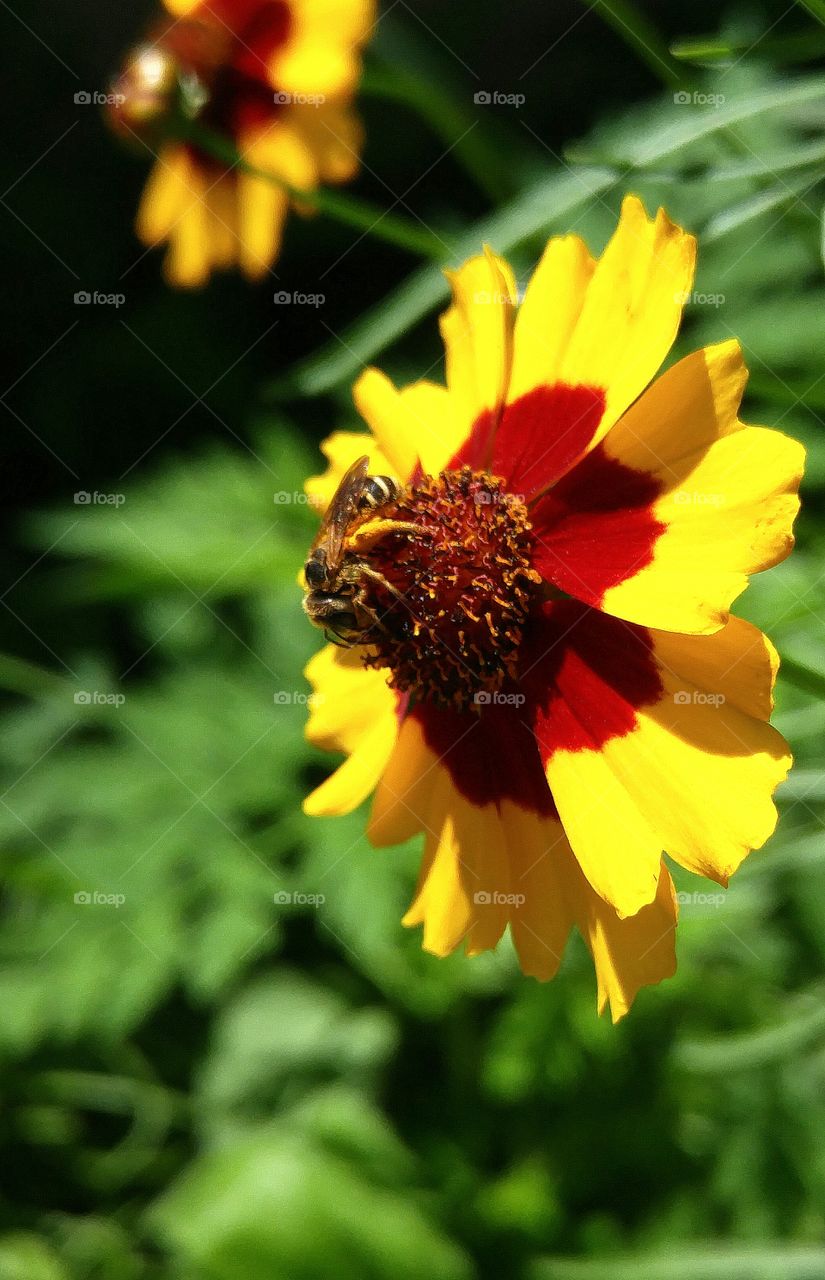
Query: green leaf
[26,1257]
[718,1261]
[639,33]
[280,1207]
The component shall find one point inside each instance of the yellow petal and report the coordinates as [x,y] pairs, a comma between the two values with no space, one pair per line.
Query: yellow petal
[388,416]
[632,309]
[549,313]
[418,422]
[188,261]
[335,135]
[404,793]
[728,494]
[262,212]
[694,776]
[551,894]
[352,710]
[222,221]
[617,847]
[485,866]
[321,55]
[166,195]
[478,337]
[543,910]
[464,876]
[633,953]
[347,699]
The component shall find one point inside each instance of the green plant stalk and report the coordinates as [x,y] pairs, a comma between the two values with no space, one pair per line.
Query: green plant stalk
[816,8]
[805,47]
[448,119]
[348,210]
[26,678]
[642,37]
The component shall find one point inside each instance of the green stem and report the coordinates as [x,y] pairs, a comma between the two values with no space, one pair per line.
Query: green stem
[816,8]
[25,678]
[805,47]
[348,210]
[452,122]
[641,35]
[801,676]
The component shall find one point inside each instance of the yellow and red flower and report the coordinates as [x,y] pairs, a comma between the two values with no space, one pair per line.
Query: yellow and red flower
[563,694]
[276,79]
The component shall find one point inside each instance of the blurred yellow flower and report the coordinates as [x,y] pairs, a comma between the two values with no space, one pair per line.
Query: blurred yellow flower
[549,683]
[273,78]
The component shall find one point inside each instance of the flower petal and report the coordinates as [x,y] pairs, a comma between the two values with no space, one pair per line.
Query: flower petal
[336,137]
[664,520]
[488,862]
[388,414]
[166,195]
[551,893]
[478,338]
[457,899]
[321,54]
[632,309]
[547,317]
[188,260]
[352,710]
[655,742]
[632,953]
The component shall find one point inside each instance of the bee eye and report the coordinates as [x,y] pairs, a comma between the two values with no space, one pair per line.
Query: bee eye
[315,573]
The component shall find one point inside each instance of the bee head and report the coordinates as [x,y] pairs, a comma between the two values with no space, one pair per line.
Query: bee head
[315,569]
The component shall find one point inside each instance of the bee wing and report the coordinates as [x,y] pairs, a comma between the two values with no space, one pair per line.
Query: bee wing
[341,509]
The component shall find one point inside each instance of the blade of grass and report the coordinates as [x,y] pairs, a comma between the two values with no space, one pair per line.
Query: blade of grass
[714,1262]
[816,8]
[640,34]
[805,47]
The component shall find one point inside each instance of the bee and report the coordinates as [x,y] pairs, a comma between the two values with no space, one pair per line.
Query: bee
[335,570]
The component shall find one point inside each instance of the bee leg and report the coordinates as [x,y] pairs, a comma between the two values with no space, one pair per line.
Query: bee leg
[382,581]
[376,530]
[332,638]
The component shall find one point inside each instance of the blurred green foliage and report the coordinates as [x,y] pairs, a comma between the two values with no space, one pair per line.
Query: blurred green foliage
[233,1063]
